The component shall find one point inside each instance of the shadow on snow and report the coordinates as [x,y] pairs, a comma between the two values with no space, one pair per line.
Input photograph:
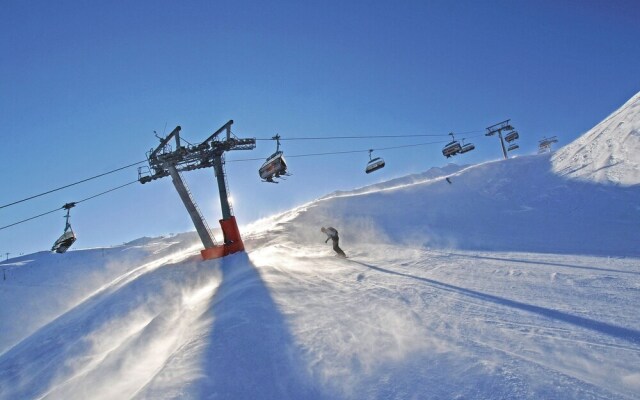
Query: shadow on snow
[619,332]
[513,260]
[251,353]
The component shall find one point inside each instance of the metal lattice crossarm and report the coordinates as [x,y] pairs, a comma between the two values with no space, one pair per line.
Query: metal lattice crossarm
[499,127]
[191,157]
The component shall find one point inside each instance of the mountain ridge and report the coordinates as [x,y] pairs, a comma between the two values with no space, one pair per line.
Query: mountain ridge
[607,153]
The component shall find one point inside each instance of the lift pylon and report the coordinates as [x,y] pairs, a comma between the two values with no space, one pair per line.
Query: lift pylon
[164,161]
[544,145]
[499,128]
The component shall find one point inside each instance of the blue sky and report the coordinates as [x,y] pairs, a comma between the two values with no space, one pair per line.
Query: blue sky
[85,83]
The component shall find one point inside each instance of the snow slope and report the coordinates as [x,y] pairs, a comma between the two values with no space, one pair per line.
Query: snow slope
[512,282]
[430,174]
[393,322]
[518,204]
[608,152]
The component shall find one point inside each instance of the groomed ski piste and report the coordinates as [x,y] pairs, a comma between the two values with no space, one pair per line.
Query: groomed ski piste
[519,280]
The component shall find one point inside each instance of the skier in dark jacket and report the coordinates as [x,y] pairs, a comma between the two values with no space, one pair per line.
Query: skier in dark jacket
[332,233]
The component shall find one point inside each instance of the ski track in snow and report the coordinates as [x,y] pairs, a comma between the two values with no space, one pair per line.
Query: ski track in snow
[537,340]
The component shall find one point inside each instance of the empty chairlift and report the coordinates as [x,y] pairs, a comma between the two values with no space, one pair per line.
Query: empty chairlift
[513,147]
[68,237]
[466,147]
[374,164]
[452,148]
[511,136]
[275,166]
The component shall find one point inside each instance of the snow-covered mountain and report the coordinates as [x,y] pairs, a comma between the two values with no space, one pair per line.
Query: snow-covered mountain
[608,152]
[510,282]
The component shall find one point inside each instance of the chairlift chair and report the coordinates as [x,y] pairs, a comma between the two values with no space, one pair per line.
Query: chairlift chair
[374,164]
[452,148]
[275,166]
[466,147]
[511,136]
[68,237]
[513,147]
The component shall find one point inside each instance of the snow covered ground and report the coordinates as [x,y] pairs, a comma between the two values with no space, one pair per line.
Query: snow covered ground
[512,282]
[607,153]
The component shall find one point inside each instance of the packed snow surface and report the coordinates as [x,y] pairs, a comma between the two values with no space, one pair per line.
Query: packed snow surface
[609,152]
[513,281]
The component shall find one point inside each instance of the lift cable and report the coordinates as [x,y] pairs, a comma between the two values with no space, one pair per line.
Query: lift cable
[239,160]
[107,191]
[349,151]
[363,151]
[73,184]
[79,201]
[368,137]
[254,159]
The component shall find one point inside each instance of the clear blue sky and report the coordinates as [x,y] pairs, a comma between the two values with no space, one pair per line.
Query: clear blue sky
[85,83]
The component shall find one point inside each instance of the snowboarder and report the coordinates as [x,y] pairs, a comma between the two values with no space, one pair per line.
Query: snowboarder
[448,180]
[332,234]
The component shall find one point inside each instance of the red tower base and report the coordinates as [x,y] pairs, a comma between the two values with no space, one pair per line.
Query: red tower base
[232,241]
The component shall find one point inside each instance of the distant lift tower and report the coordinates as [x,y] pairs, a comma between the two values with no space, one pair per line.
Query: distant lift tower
[499,128]
[544,145]
[163,161]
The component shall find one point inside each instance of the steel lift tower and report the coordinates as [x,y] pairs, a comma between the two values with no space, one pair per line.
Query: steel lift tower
[498,128]
[544,145]
[163,161]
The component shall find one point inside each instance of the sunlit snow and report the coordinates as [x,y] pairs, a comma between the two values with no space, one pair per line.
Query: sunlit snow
[515,281]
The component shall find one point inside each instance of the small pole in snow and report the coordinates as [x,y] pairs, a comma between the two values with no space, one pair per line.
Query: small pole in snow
[7,255]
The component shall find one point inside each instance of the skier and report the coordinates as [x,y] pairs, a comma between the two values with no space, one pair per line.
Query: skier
[448,180]
[332,234]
